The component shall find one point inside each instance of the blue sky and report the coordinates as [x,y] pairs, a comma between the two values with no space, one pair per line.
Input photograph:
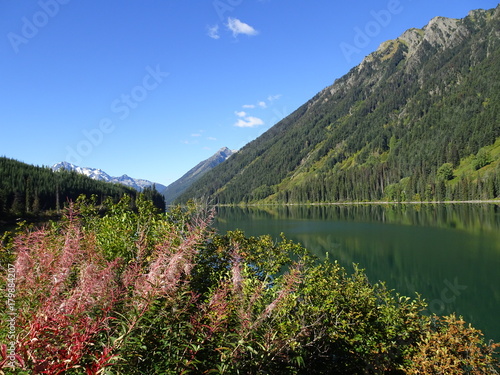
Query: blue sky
[150,88]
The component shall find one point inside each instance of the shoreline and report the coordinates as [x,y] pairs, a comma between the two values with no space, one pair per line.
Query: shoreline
[488,201]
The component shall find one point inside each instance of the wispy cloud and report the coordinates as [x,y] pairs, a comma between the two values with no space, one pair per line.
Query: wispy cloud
[262,103]
[211,138]
[248,122]
[213,32]
[196,135]
[238,27]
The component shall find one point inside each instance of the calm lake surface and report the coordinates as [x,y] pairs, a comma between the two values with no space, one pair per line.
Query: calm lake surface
[449,253]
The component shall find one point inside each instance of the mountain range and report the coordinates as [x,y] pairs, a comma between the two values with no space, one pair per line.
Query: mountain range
[176,188]
[100,175]
[418,119]
[170,192]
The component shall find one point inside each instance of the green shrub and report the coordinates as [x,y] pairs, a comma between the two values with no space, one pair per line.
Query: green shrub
[482,159]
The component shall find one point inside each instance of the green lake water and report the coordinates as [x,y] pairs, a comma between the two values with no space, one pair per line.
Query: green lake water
[448,253]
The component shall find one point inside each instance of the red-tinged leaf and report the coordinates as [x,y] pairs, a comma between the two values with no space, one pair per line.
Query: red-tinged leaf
[102,361]
[20,360]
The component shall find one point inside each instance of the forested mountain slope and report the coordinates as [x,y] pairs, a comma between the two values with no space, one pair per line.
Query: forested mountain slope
[417,119]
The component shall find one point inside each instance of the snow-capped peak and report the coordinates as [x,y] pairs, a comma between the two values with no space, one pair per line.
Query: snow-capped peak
[99,174]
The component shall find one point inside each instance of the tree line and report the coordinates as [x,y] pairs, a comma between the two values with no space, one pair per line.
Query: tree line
[27,190]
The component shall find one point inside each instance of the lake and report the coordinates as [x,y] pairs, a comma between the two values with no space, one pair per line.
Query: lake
[448,253]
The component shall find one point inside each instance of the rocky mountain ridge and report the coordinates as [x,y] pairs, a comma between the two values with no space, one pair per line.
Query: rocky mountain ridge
[176,188]
[98,174]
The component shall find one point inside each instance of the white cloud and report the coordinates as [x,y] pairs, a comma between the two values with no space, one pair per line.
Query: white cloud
[248,106]
[241,114]
[262,104]
[238,27]
[211,138]
[248,122]
[213,32]
[196,135]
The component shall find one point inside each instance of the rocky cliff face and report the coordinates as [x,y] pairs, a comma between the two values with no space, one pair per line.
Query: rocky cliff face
[414,45]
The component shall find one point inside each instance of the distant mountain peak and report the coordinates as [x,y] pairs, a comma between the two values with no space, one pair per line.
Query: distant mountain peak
[176,188]
[99,174]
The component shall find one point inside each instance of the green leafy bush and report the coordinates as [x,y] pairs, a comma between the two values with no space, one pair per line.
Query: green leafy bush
[482,159]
